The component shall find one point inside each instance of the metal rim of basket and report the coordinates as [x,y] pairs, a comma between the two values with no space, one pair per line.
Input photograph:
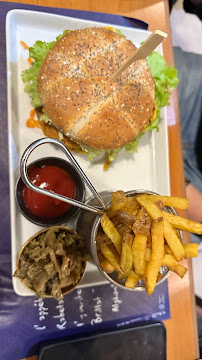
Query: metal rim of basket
[164,271]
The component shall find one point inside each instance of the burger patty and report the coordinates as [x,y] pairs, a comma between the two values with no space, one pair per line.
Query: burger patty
[77,95]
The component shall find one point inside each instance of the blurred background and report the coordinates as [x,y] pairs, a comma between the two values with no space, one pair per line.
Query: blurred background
[186,26]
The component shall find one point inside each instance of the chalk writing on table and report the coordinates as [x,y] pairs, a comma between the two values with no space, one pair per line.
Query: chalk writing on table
[43,312]
[161,299]
[116,301]
[61,325]
[82,314]
[97,305]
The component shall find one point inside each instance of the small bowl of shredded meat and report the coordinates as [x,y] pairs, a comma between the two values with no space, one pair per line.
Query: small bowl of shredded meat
[52,262]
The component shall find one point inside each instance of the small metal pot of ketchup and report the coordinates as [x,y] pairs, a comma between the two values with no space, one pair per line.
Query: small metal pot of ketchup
[53,174]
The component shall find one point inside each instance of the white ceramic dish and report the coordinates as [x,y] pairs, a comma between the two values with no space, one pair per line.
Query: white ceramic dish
[147,169]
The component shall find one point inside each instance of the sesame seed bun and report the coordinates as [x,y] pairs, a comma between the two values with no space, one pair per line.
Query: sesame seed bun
[74,88]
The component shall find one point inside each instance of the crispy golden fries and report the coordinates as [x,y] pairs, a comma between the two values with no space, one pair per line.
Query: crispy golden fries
[191,250]
[137,237]
[181,223]
[105,264]
[111,232]
[167,249]
[126,259]
[179,270]
[173,201]
[157,254]
[118,202]
[111,256]
[148,254]
[173,265]
[169,261]
[169,233]
[139,252]
[132,280]
[131,206]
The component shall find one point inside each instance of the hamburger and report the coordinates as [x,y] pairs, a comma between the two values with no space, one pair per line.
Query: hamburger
[69,83]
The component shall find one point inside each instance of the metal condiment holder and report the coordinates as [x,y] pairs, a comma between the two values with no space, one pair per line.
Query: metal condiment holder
[28,183]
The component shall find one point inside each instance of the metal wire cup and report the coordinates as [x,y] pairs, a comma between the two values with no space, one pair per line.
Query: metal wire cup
[100,209]
[88,225]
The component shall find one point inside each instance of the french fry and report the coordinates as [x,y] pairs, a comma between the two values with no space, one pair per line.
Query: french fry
[177,202]
[167,249]
[111,231]
[157,254]
[179,270]
[191,250]
[139,251]
[169,261]
[173,265]
[118,202]
[111,256]
[148,254]
[126,259]
[169,233]
[181,223]
[105,264]
[131,280]
[131,206]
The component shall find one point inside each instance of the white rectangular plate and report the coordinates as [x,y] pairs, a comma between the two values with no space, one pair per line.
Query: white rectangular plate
[147,169]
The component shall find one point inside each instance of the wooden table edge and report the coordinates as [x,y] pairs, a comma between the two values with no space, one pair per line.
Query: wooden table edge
[183,194]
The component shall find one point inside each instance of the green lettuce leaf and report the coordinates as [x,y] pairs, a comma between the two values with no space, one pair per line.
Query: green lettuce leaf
[45,118]
[112,153]
[92,153]
[38,52]
[165,78]
[120,33]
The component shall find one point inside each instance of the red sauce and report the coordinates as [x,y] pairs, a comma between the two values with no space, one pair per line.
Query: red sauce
[51,178]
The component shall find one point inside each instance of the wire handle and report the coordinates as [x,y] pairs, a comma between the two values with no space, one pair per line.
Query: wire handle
[28,183]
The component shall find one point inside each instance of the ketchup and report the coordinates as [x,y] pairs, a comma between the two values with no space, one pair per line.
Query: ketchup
[51,178]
